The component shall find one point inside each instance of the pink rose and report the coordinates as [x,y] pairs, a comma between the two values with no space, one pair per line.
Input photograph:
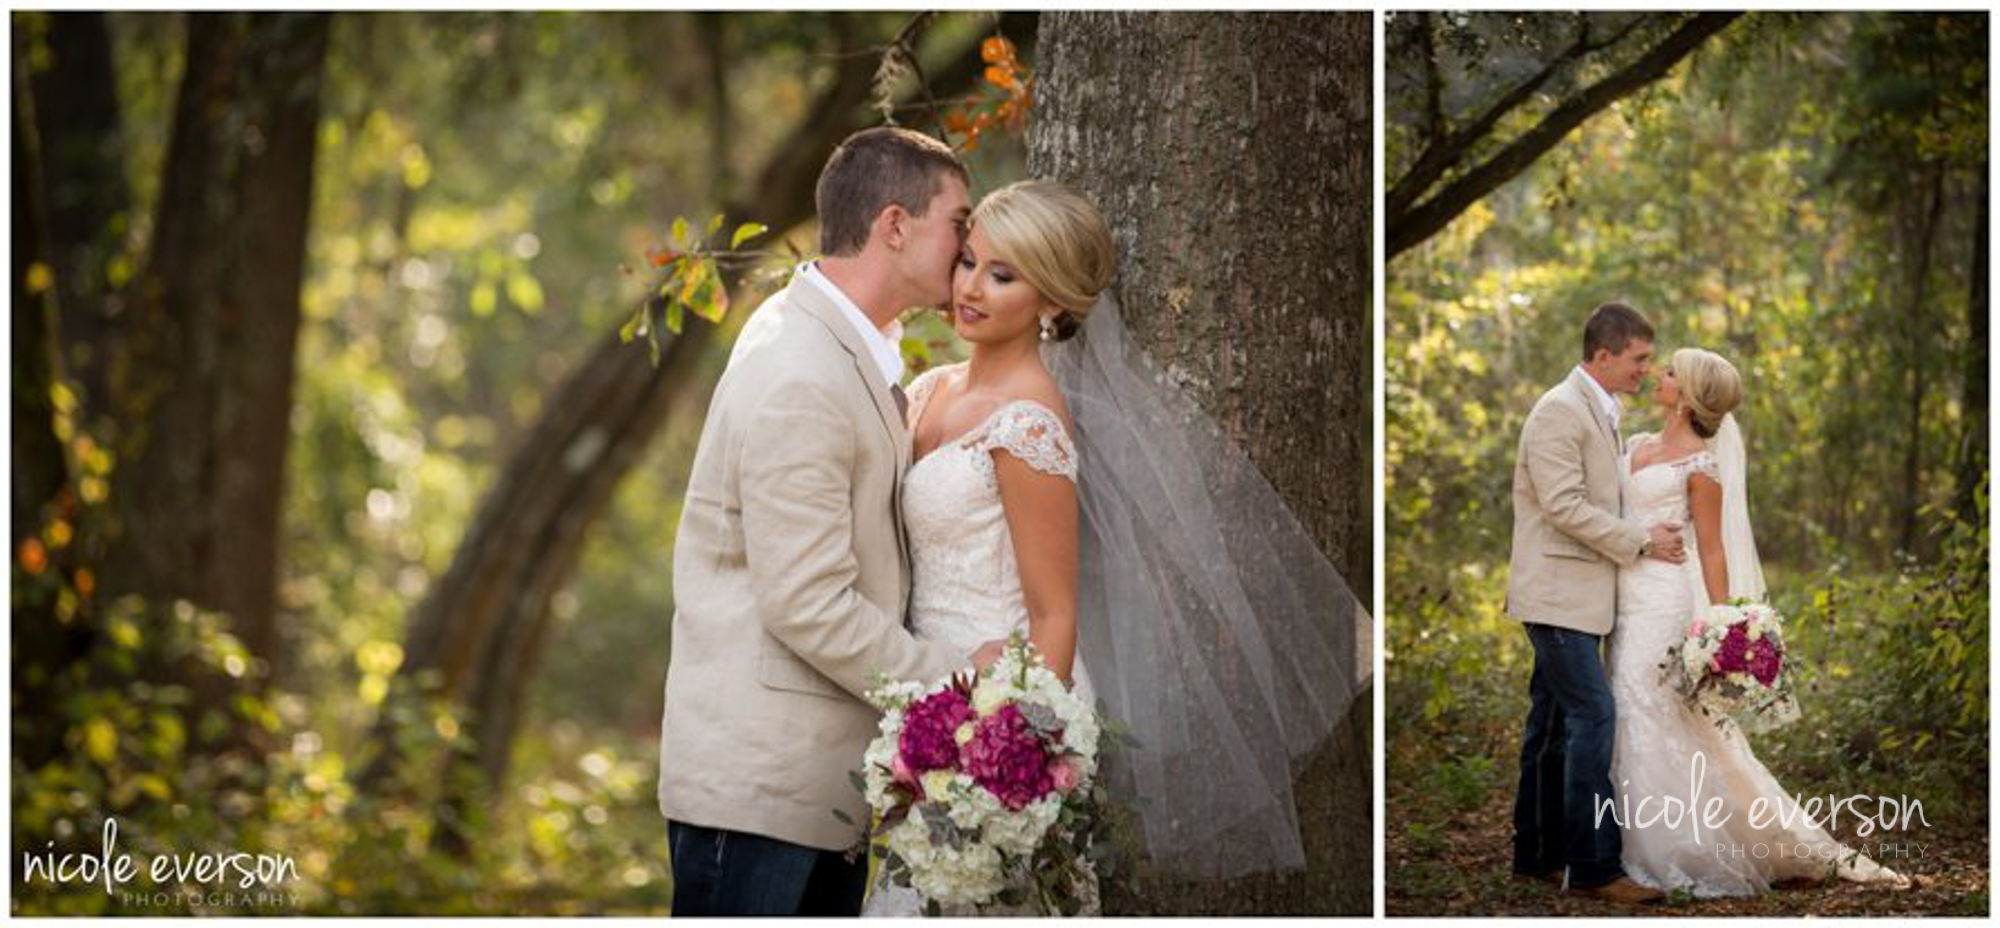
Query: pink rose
[1697,627]
[1065,774]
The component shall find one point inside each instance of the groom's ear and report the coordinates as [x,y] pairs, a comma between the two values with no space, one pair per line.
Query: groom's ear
[888,226]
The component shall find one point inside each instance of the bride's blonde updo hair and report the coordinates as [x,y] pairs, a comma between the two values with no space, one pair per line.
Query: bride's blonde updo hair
[1056,239]
[1710,387]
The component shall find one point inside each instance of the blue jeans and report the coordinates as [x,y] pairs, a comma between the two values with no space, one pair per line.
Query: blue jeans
[1566,762]
[719,872]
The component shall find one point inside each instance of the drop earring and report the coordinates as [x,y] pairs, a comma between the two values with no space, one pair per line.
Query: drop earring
[1048,328]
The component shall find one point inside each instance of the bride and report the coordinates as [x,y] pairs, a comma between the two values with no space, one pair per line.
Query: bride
[1059,488]
[1693,472]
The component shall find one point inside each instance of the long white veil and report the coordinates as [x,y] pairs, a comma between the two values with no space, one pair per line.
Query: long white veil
[1210,623]
[1739,544]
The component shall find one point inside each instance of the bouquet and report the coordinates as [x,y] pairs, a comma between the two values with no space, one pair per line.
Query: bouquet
[984,786]
[1730,664]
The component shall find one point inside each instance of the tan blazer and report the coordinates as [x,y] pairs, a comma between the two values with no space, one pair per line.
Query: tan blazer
[790,578]
[1569,539]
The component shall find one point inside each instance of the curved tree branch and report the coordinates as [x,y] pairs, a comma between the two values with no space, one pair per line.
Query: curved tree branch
[1406,228]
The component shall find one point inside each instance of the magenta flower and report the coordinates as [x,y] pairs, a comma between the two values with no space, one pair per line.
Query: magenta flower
[1766,660]
[1735,652]
[1006,758]
[927,741]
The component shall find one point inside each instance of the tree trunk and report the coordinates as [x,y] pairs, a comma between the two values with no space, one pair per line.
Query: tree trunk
[83,182]
[1239,191]
[1919,329]
[1972,464]
[212,322]
[39,468]
[43,645]
[476,638]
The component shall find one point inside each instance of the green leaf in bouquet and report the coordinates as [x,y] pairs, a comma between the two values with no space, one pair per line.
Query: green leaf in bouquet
[879,851]
[844,818]
[931,909]
[854,779]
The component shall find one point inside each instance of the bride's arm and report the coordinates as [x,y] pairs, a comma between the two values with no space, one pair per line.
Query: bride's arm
[1041,520]
[1705,499]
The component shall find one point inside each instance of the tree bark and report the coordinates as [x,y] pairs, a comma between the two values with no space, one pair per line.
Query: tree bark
[1239,191]
[212,324]
[1405,228]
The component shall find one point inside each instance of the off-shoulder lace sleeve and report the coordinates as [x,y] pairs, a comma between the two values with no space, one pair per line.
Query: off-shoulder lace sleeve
[1034,434]
[1703,463]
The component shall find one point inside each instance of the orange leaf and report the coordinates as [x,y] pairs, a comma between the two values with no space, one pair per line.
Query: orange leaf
[995,48]
[661,257]
[85,583]
[999,77]
[33,558]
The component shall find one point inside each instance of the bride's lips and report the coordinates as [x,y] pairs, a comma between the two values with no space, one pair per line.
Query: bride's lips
[968,315]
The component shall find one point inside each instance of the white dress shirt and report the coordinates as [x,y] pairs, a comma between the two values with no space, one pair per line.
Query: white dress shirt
[1604,399]
[885,343]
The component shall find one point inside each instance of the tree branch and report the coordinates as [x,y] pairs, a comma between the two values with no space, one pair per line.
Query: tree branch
[1406,229]
[1440,156]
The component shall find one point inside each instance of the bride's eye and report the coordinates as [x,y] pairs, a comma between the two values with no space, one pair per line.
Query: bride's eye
[1002,277]
[965,261]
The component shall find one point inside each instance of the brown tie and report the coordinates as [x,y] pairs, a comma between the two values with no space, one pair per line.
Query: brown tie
[902,400]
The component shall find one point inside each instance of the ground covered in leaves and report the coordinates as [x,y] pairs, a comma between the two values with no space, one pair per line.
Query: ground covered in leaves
[1449,851]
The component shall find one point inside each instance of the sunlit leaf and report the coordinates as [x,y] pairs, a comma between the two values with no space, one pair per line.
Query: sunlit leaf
[745,232]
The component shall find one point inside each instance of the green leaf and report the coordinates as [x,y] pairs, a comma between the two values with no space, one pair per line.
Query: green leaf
[634,326]
[844,818]
[674,320]
[484,299]
[746,231]
[524,291]
[714,226]
[100,740]
[680,232]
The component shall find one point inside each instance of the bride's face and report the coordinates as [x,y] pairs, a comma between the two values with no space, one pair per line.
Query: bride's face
[990,301]
[1668,393]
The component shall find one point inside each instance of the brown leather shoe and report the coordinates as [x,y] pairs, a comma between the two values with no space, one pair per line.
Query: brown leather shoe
[1622,891]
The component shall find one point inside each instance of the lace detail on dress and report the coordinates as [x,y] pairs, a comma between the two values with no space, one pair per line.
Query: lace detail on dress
[1029,431]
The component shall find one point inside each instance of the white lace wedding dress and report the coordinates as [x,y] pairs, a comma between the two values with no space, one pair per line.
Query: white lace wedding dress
[1658,738]
[965,587]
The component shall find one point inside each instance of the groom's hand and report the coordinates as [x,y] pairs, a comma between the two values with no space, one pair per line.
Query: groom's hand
[1663,541]
[987,654]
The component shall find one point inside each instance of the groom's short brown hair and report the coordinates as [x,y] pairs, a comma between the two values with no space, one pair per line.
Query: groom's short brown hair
[1612,326]
[872,169]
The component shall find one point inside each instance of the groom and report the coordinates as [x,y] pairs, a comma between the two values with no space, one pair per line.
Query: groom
[1569,541]
[790,564]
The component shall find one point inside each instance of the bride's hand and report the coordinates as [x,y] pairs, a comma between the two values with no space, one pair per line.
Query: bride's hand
[1665,538]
